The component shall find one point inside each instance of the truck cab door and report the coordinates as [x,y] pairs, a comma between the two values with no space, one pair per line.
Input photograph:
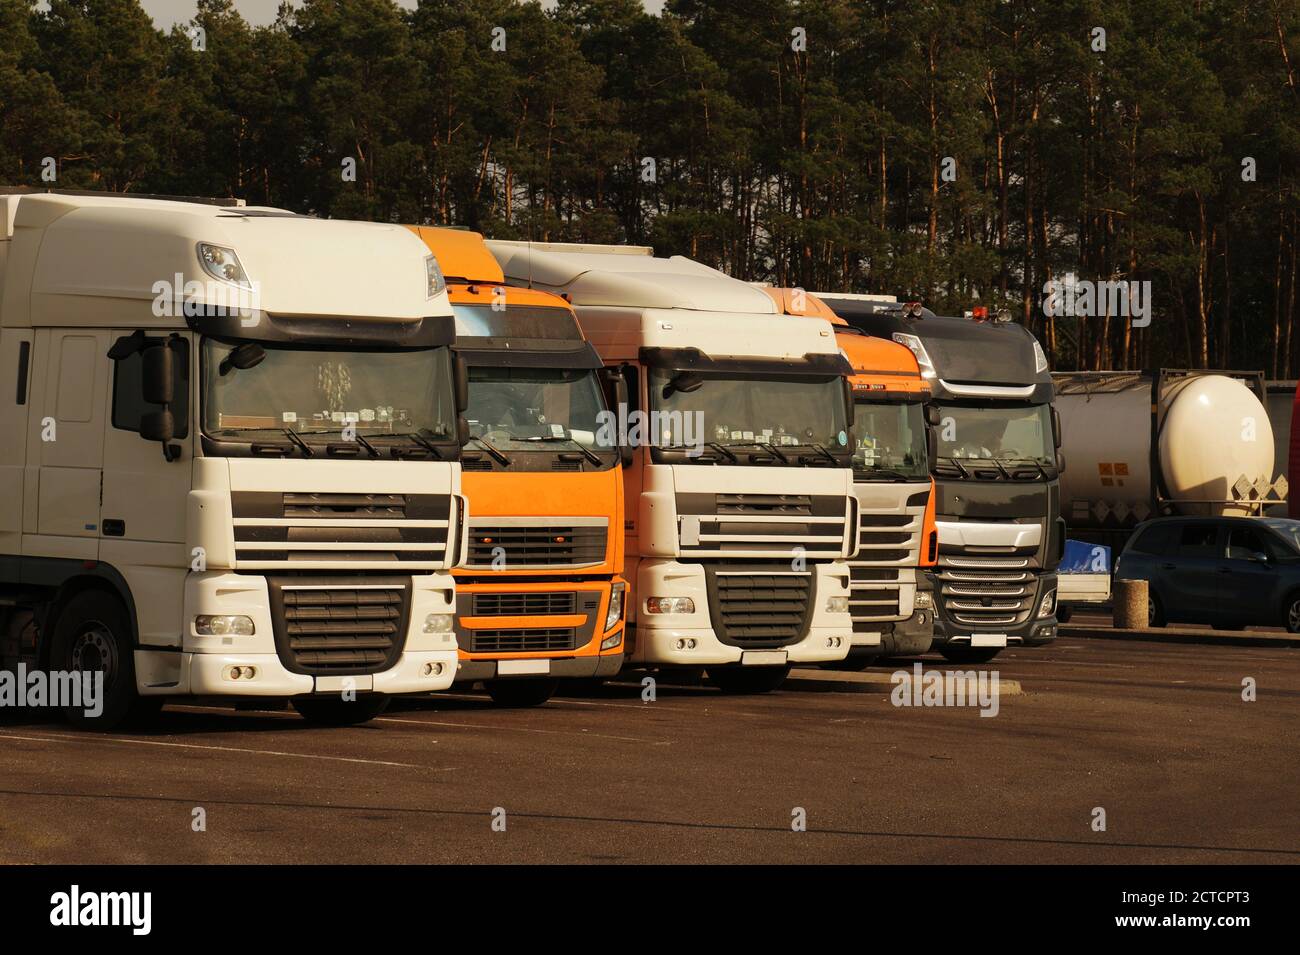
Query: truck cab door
[66,438]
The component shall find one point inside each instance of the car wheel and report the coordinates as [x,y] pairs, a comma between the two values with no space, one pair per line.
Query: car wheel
[1155,611]
[1292,622]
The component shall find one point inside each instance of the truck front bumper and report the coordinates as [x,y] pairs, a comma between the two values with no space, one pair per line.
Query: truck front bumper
[1032,631]
[251,665]
[690,639]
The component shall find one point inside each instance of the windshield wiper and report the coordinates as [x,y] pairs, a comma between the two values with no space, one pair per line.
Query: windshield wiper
[772,450]
[302,446]
[550,438]
[421,440]
[955,463]
[820,449]
[374,452]
[889,473]
[493,450]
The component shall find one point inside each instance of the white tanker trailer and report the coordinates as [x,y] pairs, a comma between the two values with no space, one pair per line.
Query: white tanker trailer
[1146,444]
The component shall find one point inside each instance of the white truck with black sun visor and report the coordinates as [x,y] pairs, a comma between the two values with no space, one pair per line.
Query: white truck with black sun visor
[230,455]
[739,494]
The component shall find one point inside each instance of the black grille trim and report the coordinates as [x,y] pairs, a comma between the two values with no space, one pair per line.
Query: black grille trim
[337,626]
[526,546]
[764,607]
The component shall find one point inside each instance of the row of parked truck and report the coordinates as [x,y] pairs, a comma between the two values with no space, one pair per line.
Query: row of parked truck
[255,455]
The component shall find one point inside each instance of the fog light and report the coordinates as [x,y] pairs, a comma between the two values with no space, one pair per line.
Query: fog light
[236,673]
[437,623]
[922,600]
[837,604]
[223,625]
[669,605]
[615,606]
[1048,604]
[432,669]
[610,642]
[920,618]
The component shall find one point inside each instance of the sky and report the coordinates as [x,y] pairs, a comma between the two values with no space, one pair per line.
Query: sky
[257,12]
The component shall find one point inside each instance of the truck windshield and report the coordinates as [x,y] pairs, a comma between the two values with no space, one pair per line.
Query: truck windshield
[314,394]
[889,441]
[524,409]
[1008,435]
[735,410]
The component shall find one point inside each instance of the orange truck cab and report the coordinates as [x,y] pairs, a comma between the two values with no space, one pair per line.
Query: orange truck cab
[891,592]
[539,597]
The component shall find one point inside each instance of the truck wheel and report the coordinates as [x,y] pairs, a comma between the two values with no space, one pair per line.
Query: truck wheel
[517,694]
[1155,611]
[93,633]
[739,680]
[336,711]
[956,653]
[854,662]
[1063,613]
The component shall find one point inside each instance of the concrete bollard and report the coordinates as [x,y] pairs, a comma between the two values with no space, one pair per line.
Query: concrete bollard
[1129,602]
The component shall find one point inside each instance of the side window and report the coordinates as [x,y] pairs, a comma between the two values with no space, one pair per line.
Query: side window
[128,404]
[1157,540]
[1198,540]
[1245,542]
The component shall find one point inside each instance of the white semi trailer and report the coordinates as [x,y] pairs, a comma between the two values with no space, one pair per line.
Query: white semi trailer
[1142,445]
[229,443]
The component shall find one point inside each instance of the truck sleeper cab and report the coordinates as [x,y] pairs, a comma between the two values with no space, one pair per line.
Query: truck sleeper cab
[739,499]
[996,470]
[230,455]
[539,592]
[891,597]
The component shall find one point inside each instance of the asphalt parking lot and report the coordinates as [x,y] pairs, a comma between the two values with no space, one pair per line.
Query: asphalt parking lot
[1155,734]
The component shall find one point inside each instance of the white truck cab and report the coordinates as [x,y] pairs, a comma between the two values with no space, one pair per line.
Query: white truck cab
[739,496]
[228,454]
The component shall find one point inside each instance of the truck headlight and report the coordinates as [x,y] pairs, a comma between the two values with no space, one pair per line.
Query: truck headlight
[434,275]
[615,605]
[610,642]
[837,604]
[923,600]
[222,263]
[437,623]
[223,625]
[1047,604]
[669,605]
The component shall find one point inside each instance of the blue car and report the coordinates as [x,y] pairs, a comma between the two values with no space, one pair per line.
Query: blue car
[1230,572]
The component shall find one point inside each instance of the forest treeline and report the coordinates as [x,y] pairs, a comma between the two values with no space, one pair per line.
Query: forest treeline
[961,152]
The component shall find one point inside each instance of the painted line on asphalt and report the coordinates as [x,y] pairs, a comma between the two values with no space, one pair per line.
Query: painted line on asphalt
[68,738]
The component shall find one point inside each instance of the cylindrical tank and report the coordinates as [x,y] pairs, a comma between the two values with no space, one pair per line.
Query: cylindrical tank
[1212,430]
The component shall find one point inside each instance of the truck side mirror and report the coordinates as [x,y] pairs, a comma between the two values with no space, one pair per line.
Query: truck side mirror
[848,401]
[462,430]
[1060,462]
[1056,428]
[932,445]
[614,382]
[932,416]
[157,375]
[461,372]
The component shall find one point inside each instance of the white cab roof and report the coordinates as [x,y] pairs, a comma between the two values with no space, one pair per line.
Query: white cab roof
[628,276]
[96,260]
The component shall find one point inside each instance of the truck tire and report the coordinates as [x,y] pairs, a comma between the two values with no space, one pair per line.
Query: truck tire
[747,680]
[957,653]
[517,694]
[854,662]
[336,711]
[93,632]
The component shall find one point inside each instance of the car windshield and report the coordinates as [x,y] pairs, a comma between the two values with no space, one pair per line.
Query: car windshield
[1288,530]
[889,441]
[1004,434]
[523,409]
[317,393]
[736,410]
